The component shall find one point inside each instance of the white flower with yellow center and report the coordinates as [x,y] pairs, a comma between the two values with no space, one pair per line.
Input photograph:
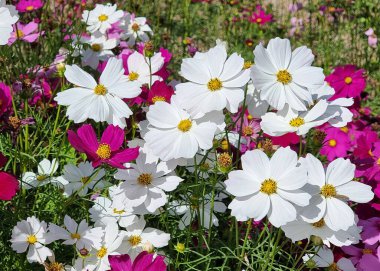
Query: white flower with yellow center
[135,28]
[146,183]
[106,211]
[100,49]
[330,190]
[285,77]
[101,17]
[81,235]
[81,178]
[319,232]
[46,170]
[216,82]
[31,234]
[137,238]
[98,101]
[9,16]
[141,69]
[291,121]
[268,187]
[324,258]
[175,133]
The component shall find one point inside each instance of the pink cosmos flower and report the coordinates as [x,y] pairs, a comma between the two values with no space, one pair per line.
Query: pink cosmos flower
[336,144]
[24,32]
[9,185]
[143,262]
[29,5]
[5,98]
[347,81]
[364,145]
[285,140]
[366,259]
[107,151]
[371,230]
[372,38]
[160,91]
[373,172]
[260,17]
[250,130]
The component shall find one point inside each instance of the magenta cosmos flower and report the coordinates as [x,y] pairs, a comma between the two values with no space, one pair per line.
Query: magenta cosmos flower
[24,32]
[260,17]
[107,151]
[143,262]
[9,185]
[371,230]
[29,5]
[347,81]
[5,98]
[336,144]
[365,259]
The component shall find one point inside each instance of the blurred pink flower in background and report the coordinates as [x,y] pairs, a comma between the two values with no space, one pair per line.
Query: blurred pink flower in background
[29,5]
[372,38]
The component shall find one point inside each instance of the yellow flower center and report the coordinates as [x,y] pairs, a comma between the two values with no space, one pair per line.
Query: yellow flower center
[367,251]
[249,117]
[133,76]
[180,247]
[41,178]
[378,161]
[370,153]
[118,212]
[328,191]
[224,160]
[283,76]
[348,80]
[344,129]
[85,180]
[134,240]
[102,252]
[100,90]
[96,47]
[332,142]
[268,186]
[145,179]
[185,125]
[319,224]
[75,236]
[29,8]
[158,99]
[54,266]
[104,151]
[259,20]
[103,18]
[333,267]
[247,65]
[19,34]
[31,239]
[135,27]
[214,84]
[247,131]
[296,122]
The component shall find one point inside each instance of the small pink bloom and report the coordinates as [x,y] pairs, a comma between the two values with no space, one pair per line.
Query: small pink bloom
[160,91]
[24,32]
[143,262]
[372,38]
[336,144]
[29,5]
[260,17]
[5,98]
[107,150]
[347,81]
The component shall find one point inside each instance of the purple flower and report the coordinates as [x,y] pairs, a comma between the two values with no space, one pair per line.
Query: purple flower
[143,262]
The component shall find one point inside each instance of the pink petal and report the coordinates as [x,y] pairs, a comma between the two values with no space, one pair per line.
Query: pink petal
[88,136]
[8,186]
[114,136]
[120,262]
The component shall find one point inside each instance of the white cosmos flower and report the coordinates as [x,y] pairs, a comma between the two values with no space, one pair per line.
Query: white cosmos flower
[100,50]
[135,28]
[330,189]
[31,234]
[9,16]
[300,229]
[215,81]
[98,101]
[101,17]
[288,120]
[268,187]
[82,235]
[138,238]
[175,133]
[46,169]
[141,69]
[81,178]
[191,207]
[106,211]
[285,77]
[324,258]
[146,183]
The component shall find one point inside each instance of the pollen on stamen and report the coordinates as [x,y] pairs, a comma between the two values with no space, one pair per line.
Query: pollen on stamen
[319,224]
[134,240]
[31,239]
[214,84]
[19,34]
[184,125]
[103,17]
[96,47]
[348,80]
[332,142]
[135,27]
[284,77]
[75,236]
[104,151]
[102,252]
[328,191]
[132,76]
[268,186]
[145,179]
[100,90]
[158,99]
[296,122]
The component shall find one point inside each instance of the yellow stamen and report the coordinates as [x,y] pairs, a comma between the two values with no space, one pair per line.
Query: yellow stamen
[103,18]
[104,151]
[96,47]
[29,8]
[268,186]
[214,84]
[332,142]
[102,252]
[283,76]
[319,224]
[118,212]
[247,65]
[367,251]
[31,239]
[185,125]
[133,76]
[296,122]
[348,80]
[100,90]
[247,131]
[135,27]
[328,191]
[259,20]
[145,179]
[344,129]
[134,240]
[75,236]
[158,99]
[19,34]
[41,178]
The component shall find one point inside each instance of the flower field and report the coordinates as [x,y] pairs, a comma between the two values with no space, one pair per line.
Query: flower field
[187,135]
